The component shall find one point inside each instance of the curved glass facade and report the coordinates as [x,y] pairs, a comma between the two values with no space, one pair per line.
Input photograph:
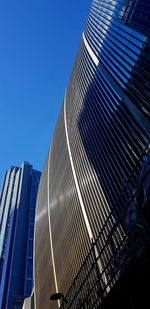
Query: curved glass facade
[98,149]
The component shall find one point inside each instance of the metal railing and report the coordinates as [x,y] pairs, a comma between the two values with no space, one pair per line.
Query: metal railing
[132,226]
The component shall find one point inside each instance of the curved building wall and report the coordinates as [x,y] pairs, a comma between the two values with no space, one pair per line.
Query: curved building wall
[65,208]
[98,146]
[43,270]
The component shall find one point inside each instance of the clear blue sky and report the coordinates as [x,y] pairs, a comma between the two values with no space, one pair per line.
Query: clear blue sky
[38,44]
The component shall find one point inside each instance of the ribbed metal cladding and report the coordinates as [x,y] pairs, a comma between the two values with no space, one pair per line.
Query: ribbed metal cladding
[71,241]
[99,142]
[112,31]
[43,271]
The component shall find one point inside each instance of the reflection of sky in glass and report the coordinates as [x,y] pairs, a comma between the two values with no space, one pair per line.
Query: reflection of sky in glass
[117,46]
[113,49]
[6,213]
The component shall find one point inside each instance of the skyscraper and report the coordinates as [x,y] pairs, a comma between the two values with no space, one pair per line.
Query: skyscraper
[94,189]
[17,214]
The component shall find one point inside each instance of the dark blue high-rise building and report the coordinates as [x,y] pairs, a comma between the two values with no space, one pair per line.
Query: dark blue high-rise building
[17,213]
